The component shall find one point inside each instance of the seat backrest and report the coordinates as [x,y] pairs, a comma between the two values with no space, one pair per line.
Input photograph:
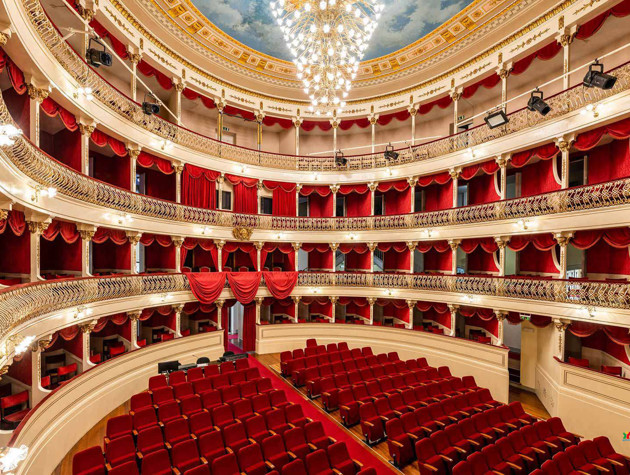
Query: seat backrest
[119,425]
[156,461]
[120,447]
[176,377]
[184,453]
[176,430]
[88,459]
[294,437]
[294,468]
[317,462]
[225,465]
[249,456]
[149,440]
[140,401]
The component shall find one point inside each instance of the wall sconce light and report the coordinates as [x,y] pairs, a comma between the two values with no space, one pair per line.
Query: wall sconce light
[165,297]
[428,233]
[316,290]
[523,224]
[10,457]
[588,312]
[205,230]
[389,292]
[594,109]
[119,219]
[470,298]
[352,236]
[39,191]
[8,134]
[315,176]
[82,312]
[17,345]
[85,92]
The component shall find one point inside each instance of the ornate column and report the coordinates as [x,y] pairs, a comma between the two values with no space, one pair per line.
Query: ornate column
[178,242]
[561,327]
[85,131]
[220,106]
[296,301]
[134,153]
[504,74]
[333,247]
[455,176]
[179,87]
[86,231]
[297,122]
[37,96]
[564,144]
[133,84]
[179,169]
[412,191]
[334,189]
[296,250]
[372,247]
[565,40]
[259,245]
[178,319]
[219,303]
[259,188]
[36,229]
[563,239]
[502,242]
[454,243]
[134,239]
[134,317]
[411,245]
[259,302]
[372,187]
[373,118]
[411,305]
[456,95]
[86,329]
[37,391]
[501,316]
[220,245]
[413,112]
[298,187]
[502,160]
[371,301]
[260,115]
[333,311]
[453,309]
[220,180]
[335,124]
[88,15]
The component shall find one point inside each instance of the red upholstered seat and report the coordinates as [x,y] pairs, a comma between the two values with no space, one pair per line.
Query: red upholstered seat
[211,446]
[583,362]
[264,385]
[199,470]
[144,418]
[194,374]
[149,440]
[169,411]
[235,436]
[225,465]
[399,443]
[613,370]
[275,452]
[211,399]
[248,389]
[16,405]
[118,426]
[316,436]
[278,399]
[185,455]
[256,428]
[348,407]
[222,416]
[183,390]
[158,381]
[340,459]
[163,395]
[176,431]
[191,405]
[250,459]
[129,468]
[295,442]
[429,461]
[120,450]
[227,367]
[317,463]
[157,463]
[296,467]
[276,421]
[371,424]
[295,415]
[140,401]
[243,409]
[202,386]
[261,404]
[88,462]
[211,370]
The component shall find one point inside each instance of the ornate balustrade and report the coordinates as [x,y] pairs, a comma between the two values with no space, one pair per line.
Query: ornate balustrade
[20,304]
[561,104]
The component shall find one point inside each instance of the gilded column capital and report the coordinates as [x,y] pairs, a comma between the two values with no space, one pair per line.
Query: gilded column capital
[297,122]
[259,245]
[219,303]
[503,159]
[371,301]
[178,168]
[563,238]
[456,96]
[412,180]
[86,13]
[504,73]
[134,237]
[564,143]
[412,111]
[296,246]
[86,234]
[4,37]
[373,186]
[179,85]
[453,308]
[87,327]
[259,115]
[220,105]
[411,303]
[411,245]
[296,299]
[86,129]
[454,243]
[42,343]
[502,241]
[298,187]
[37,227]
[334,189]
[566,39]
[135,58]
[335,123]
[373,118]
[134,152]
[4,214]
[501,315]
[219,244]
[259,301]
[561,325]
[372,246]
[37,93]
[178,241]
[333,299]
[178,308]
[333,246]
[454,173]
[135,315]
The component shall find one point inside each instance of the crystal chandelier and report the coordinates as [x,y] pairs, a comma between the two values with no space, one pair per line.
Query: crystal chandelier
[327,40]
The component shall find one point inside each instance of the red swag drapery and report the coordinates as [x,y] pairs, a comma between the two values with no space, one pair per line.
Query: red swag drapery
[283,200]
[16,222]
[52,109]
[206,286]
[246,247]
[199,187]
[588,140]
[117,236]
[617,237]
[147,160]
[67,231]
[244,285]
[101,139]
[245,194]
[280,284]
[592,26]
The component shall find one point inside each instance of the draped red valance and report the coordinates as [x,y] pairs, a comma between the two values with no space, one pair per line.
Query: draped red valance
[206,286]
[67,231]
[398,185]
[442,103]
[320,190]
[544,152]
[52,109]
[280,284]
[309,125]
[163,80]
[198,172]
[385,119]
[487,244]
[617,237]
[101,139]
[147,160]
[117,236]
[16,76]
[147,239]
[236,112]
[359,188]
[539,321]
[270,121]
[359,248]
[395,246]
[587,140]
[358,301]
[193,95]
[592,26]
[16,222]
[320,247]
[274,185]
[470,171]
[439,178]
[438,307]
[439,246]
[362,123]
[244,285]
[238,180]
[545,53]
[486,314]
[542,242]
[205,244]
[488,83]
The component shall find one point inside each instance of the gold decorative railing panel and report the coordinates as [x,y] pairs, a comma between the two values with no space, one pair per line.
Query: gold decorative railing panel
[561,104]
[23,303]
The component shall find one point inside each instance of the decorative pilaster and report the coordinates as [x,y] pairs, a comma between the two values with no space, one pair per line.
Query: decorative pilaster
[134,239]
[335,124]
[220,107]
[371,301]
[37,96]
[297,123]
[179,87]
[296,250]
[373,118]
[86,232]
[259,302]
[563,239]
[456,96]
[86,132]
[133,83]
[372,247]
[502,161]
[134,153]
[411,304]
[561,327]
[178,242]
[298,187]
[178,319]
[259,245]
[36,229]
[501,316]
[372,187]
[411,245]
[564,144]
[333,247]
[334,189]
[219,304]
[413,112]
[566,39]
[179,169]
[455,172]
[37,391]
[454,243]
[412,190]
[333,308]
[86,330]
[502,242]
[260,115]
[220,245]
[453,309]
[504,74]
[134,317]
[296,301]
[220,180]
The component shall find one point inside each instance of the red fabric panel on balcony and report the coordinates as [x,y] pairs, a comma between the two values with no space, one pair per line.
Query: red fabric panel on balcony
[109,256]
[545,53]
[117,236]
[245,194]
[394,260]
[588,140]
[67,231]
[488,82]
[158,185]
[532,259]
[192,95]
[113,170]
[482,189]
[438,197]
[443,319]
[249,327]
[320,206]
[538,178]
[438,261]
[163,80]
[16,76]
[18,260]
[397,202]
[592,26]
[147,239]
[609,162]
[398,185]
[491,326]
[271,121]
[442,103]
[358,188]
[283,198]
[309,125]
[362,123]
[488,245]
[206,286]
[147,160]
[439,178]
[602,258]
[20,109]
[101,139]
[480,261]
[199,187]
[284,248]
[236,112]
[308,190]
[118,46]
[357,261]
[159,257]
[57,256]
[52,109]
[358,204]
[387,118]
[244,247]
[280,284]
[244,285]
[544,152]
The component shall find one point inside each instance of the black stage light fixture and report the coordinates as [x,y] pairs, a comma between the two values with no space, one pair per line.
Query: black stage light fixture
[340,160]
[537,103]
[149,107]
[596,77]
[496,119]
[389,153]
[96,54]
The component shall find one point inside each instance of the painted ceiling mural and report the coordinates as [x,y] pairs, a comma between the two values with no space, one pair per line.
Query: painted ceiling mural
[403,22]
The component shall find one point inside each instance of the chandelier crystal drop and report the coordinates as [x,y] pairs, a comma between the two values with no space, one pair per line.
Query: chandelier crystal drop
[327,39]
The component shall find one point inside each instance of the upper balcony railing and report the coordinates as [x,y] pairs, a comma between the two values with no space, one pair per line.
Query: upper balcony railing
[22,303]
[561,104]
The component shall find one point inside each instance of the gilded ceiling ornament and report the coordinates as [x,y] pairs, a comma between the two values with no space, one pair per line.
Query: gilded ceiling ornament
[242,233]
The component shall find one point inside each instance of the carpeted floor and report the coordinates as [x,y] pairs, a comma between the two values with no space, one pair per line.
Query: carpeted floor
[356,449]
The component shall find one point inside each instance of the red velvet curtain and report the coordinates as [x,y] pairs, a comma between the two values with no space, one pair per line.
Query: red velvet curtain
[609,162]
[357,256]
[112,170]
[438,197]
[244,285]
[280,284]
[245,194]
[320,201]
[206,286]
[283,199]
[284,248]
[199,187]
[592,26]
[538,178]
[249,327]
[320,256]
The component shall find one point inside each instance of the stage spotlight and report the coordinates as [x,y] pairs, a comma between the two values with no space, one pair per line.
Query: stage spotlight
[536,103]
[389,153]
[150,108]
[496,119]
[97,56]
[340,160]
[596,77]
